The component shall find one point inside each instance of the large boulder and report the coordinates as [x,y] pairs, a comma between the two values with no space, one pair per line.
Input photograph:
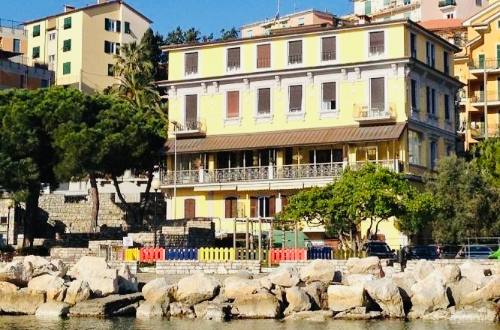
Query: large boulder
[212,311]
[196,288]
[43,282]
[386,294]
[342,298]
[158,291]
[449,273]
[148,310]
[77,291]
[260,305]
[357,279]
[298,300]
[458,290]
[318,270]
[310,316]
[6,287]
[237,286]
[485,313]
[112,305]
[21,302]
[180,310]
[473,271]
[102,280]
[370,265]
[317,292]
[52,309]
[127,282]
[43,266]
[428,295]
[404,281]
[16,272]
[490,292]
[422,269]
[285,277]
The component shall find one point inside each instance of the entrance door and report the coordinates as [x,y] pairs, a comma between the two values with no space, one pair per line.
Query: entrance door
[189,208]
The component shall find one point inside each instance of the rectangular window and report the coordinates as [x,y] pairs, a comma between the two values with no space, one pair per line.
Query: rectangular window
[433,101]
[118,26]
[233,104]
[67,45]
[295,98]
[3,220]
[414,96]
[446,62]
[36,52]
[328,48]
[329,98]
[264,101]
[433,154]
[36,31]
[415,147]
[377,94]
[295,52]
[111,70]
[191,63]
[428,99]
[112,25]
[231,207]
[191,110]
[52,58]
[413,45]
[16,45]
[481,61]
[264,56]
[67,23]
[430,54]
[447,107]
[66,67]
[107,24]
[52,36]
[127,28]
[376,46]
[111,47]
[189,208]
[233,59]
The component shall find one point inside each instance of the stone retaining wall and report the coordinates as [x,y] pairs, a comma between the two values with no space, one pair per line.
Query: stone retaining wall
[186,267]
[483,262]
[70,255]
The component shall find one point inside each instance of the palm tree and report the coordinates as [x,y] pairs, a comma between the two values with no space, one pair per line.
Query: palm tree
[133,57]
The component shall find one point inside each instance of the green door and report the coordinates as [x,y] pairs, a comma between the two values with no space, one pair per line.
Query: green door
[481,61]
[368,7]
[498,56]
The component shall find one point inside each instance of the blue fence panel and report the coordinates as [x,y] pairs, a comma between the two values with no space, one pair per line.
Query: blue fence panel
[182,254]
[324,252]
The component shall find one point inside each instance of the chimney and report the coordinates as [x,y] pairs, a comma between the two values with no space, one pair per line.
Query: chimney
[68,8]
[100,2]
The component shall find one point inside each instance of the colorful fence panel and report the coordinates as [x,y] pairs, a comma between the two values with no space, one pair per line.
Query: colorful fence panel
[253,254]
[324,252]
[216,254]
[182,254]
[131,255]
[278,255]
[152,254]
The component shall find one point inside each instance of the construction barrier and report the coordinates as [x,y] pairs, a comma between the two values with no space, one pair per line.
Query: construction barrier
[216,254]
[278,255]
[152,254]
[131,254]
[182,254]
[324,252]
[253,254]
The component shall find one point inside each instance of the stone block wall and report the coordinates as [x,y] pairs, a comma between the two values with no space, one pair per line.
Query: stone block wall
[70,255]
[187,267]
[71,214]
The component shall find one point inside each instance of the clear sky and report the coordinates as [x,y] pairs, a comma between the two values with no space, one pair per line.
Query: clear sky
[209,16]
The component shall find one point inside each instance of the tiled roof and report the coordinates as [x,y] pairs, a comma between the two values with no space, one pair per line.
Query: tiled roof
[290,138]
[442,24]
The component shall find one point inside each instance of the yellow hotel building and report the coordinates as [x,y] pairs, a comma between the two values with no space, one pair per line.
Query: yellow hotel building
[79,44]
[478,66]
[256,119]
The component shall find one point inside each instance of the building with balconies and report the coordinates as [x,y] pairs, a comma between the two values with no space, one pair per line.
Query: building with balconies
[254,120]
[78,44]
[478,67]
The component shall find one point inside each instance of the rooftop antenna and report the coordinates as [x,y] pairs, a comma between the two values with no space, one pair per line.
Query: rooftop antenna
[277,16]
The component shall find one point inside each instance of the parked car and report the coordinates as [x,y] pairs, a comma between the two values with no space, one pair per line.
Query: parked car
[474,252]
[379,249]
[448,251]
[426,252]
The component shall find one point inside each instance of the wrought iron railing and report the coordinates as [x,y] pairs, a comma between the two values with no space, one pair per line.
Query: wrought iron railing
[190,126]
[374,111]
[488,63]
[294,59]
[444,3]
[328,56]
[376,50]
[267,173]
[480,97]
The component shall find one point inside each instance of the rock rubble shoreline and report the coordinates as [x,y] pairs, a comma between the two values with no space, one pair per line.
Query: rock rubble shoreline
[315,292]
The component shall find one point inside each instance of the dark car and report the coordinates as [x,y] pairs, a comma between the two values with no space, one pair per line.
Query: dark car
[425,252]
[379,249]
[475,251]
[448,251]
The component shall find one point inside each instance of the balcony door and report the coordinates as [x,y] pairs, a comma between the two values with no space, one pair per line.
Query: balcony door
[377,95]
[191,112]
[262,206]
[189,208]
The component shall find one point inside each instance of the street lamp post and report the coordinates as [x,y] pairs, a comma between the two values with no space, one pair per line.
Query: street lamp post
[174,200]
[156,186]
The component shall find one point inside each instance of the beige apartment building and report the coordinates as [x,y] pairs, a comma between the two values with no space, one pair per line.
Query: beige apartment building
[12,37]
[417,10]
[79,43]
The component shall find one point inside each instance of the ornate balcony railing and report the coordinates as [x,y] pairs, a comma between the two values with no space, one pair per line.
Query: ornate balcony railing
[482,63]
[445,3]
[267,173]
[374,112]
[190,128]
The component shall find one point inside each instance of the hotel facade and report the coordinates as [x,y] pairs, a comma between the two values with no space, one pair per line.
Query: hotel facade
[255,120]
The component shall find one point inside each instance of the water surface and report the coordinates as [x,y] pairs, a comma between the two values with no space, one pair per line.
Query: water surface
[31,323]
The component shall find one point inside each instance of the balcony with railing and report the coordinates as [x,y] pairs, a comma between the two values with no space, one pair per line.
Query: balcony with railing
[190,128]
[374,113]
[491,98]
[326,171]
[446,3]
[478,130]
[480,65]
[394,6]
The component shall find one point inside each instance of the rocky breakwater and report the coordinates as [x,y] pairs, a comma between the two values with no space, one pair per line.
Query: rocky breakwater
[318,291]
[47,288]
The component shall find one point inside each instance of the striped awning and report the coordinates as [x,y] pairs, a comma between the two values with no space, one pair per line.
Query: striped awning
[277,139]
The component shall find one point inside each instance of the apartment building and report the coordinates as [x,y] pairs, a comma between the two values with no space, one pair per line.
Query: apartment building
[79,43]
[478,66]
[254,120]
[297,19]
[12,36]
[417,10]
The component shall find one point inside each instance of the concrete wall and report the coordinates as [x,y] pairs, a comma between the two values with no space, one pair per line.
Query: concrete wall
[186,267]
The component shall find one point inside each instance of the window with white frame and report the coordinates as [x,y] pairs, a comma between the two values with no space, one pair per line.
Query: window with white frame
[233,59]
[329,96]
[295,98]
[328,48]
[191,63]
[376,43]
[295,52]
[415,147]
[263,101]
[233,105]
